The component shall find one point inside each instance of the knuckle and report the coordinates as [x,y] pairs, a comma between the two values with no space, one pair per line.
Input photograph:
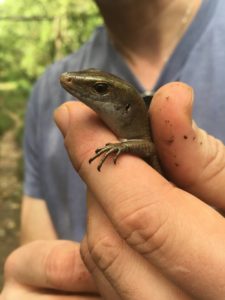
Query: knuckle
[146,230]
[105,252]
[85,254]
[84,251]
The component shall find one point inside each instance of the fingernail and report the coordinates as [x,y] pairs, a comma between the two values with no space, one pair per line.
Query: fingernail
[61,117]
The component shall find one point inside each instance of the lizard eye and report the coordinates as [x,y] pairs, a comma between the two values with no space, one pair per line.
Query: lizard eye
[101,87]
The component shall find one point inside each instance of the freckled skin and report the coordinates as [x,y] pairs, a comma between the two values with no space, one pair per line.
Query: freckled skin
[120,107]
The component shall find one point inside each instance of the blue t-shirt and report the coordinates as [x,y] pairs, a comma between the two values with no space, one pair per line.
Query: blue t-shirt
[198,60]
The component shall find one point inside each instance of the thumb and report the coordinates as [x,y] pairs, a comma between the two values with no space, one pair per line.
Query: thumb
[191,158]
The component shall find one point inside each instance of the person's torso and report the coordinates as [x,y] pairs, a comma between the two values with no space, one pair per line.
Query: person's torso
[199,60]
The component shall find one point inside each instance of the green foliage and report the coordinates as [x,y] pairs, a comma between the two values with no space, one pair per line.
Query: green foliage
[19,142]
[20,169]
[6,122]
[33,34]
[19,136]
[13,101]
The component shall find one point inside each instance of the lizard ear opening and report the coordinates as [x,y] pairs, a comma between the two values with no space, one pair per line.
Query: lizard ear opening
[101,87]
[127,107]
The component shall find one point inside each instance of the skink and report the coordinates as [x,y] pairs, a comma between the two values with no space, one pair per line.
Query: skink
[120,107]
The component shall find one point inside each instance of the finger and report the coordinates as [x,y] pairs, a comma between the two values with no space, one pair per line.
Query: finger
[14,291]
[94,134]
[109,258]
[191,158]
[104,286]
[56,265]
[172,229]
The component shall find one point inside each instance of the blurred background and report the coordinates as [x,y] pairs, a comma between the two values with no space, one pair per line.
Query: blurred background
[33,34]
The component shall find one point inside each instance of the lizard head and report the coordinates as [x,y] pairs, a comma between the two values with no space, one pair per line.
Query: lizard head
[114,99]
[95,85]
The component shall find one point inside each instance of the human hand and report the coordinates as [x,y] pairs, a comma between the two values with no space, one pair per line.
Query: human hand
[142,229]
[47,270]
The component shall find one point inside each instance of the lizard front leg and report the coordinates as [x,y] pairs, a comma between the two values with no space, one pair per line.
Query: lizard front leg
[140,147]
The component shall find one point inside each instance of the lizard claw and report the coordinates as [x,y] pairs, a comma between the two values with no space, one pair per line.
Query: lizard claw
[108,149]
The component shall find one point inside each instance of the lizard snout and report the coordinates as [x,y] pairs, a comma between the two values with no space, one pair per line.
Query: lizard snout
[66,80]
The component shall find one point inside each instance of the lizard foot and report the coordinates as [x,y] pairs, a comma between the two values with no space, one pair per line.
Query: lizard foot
[116,148]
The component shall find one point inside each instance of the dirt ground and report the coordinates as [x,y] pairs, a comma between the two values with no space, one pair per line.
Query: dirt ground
[10,197]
